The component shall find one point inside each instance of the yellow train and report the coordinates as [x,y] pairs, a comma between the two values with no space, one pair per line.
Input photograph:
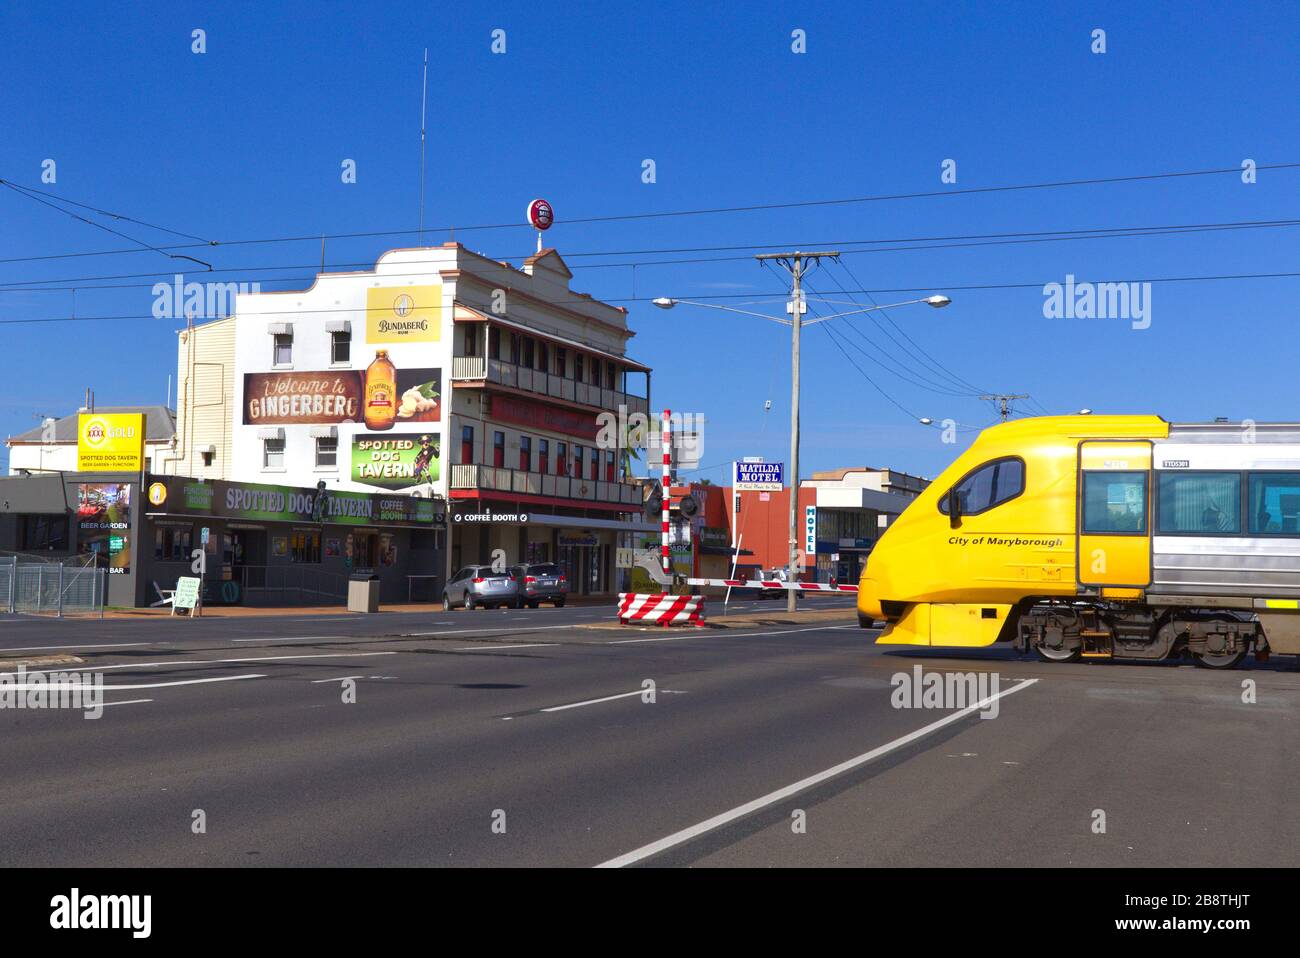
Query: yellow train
[1106,537]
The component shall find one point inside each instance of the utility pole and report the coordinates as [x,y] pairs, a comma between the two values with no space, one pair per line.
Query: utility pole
[795,264]
[1004,402]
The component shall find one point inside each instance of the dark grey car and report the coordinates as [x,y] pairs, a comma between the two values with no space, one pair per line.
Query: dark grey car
[477,585]
[542,582]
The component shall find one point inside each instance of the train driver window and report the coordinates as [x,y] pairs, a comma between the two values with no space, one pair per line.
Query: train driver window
[1275,504]
[990,485]
[1114,503]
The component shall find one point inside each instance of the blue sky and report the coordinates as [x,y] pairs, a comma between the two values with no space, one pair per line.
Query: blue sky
[246,141]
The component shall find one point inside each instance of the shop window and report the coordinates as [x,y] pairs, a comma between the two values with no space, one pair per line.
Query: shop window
[273,454]
[327,452]
[304,546]
[525,453]
[499,450]
[543,455]
[282,350]
[44,533]
[467,444]
[341,347]
[172,543]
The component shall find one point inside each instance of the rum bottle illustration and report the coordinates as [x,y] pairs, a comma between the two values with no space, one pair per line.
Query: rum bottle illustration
[380,393]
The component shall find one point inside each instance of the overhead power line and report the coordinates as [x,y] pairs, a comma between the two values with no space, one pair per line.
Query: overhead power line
[710,211]
[36,285]
[948,287]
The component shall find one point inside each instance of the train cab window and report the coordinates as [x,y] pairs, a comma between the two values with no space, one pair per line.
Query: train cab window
[1114,503]
[990,485]
[1198,503]
[1275,504]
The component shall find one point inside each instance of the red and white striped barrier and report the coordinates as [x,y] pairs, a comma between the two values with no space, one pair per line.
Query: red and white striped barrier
[773,584]
[660,608]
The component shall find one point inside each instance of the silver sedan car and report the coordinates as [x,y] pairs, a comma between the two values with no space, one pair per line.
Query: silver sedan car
[478,585]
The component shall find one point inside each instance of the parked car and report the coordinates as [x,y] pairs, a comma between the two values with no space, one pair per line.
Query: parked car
[477,585]
[542,582]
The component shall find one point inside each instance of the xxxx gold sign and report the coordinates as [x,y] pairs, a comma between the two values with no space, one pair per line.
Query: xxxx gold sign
[404,314]
[110,442]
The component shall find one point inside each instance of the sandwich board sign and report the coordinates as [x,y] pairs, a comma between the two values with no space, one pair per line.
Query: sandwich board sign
[187,595]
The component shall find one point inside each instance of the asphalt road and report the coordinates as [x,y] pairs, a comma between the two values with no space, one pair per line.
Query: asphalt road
[523,738]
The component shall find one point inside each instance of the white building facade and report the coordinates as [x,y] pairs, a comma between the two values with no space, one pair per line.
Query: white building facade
[443,374]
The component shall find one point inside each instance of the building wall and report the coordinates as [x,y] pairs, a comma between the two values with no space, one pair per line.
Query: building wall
[62,457]
[205,377]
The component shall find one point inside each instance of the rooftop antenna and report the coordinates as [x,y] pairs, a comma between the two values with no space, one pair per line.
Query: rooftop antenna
[424,93]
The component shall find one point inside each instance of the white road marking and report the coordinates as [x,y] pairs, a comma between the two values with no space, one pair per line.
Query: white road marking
[127,702]
[717,821]
[607,698]
[299,638]
[341,678]
[251,658]
[36,648]
[152,685]
[439,635]
[498,648]
[700,634]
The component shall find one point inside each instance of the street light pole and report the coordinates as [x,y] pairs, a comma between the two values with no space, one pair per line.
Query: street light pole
[794,262]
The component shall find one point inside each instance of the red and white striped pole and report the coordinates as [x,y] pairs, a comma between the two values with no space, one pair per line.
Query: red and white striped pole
[667,483]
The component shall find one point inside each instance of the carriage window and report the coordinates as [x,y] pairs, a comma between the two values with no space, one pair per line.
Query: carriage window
[1208,503]
[1115,502]
[988,486]
[1275,504]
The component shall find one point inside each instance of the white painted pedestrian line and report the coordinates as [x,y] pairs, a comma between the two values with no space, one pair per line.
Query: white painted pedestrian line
[439,635]
[702,633]
[152,685]
[106,645]
[299,638]
[341,678]
[500,648]
[607,698]
[251,658]
[717,821]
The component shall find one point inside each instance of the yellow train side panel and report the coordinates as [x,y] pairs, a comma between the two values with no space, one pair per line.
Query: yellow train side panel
[952,624]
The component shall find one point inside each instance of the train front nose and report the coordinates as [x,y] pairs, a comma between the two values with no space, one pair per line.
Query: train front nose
[868,600]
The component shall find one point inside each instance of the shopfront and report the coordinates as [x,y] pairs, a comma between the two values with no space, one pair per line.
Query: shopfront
[266,544]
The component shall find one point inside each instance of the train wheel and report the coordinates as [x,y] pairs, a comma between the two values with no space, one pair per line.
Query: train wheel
[1056,655]
[1222,660]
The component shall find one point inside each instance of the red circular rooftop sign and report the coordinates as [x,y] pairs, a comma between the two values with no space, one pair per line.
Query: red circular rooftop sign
[540,214]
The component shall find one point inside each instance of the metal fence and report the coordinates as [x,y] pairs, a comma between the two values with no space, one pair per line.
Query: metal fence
[55,587]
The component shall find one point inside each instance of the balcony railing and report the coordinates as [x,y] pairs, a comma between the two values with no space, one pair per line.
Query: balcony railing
[536,484]
[479,368]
